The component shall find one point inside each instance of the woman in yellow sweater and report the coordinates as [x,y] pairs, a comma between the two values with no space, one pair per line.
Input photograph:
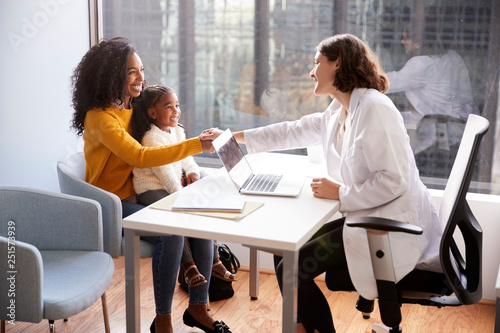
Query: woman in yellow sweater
[106,80]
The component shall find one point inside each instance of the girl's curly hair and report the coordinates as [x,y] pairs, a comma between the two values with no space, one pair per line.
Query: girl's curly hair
[100,78]
[141,121]
[359,66]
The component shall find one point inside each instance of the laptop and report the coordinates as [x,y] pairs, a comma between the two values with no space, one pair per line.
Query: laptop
[244,178]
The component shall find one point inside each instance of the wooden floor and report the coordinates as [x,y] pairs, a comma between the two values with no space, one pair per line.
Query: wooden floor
[264,314]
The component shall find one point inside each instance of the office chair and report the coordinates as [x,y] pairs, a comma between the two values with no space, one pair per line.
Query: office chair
[461,276]
[71,175]
[56,267]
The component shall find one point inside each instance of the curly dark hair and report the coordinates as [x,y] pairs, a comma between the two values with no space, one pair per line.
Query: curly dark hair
[100,78]
[359,66]
[141,121]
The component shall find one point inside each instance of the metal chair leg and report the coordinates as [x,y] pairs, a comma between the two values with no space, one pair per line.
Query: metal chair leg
[105,313]
[52,326]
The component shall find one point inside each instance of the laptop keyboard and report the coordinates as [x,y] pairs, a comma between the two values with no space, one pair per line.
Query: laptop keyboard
[264,183]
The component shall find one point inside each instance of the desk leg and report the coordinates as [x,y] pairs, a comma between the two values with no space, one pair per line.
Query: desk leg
[132,281]
[290,278]
[254,273]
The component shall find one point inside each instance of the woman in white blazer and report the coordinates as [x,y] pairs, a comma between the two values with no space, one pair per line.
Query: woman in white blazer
[372,172]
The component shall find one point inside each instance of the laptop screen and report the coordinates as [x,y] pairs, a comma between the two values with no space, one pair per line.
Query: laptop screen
[232,157]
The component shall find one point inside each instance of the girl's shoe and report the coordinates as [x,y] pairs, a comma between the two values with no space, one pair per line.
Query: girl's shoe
[190,280]
[228,276]
[220,327]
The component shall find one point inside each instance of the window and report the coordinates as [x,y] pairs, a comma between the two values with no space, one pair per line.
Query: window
[239,64]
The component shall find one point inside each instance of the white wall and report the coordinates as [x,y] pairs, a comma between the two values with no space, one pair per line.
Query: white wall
[41,42]
[486,209]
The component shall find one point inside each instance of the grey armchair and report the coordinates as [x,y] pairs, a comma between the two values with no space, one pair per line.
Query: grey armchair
[71,175]
[54,265]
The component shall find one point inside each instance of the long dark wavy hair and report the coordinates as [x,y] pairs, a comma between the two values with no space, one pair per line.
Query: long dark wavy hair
[141,121]
[359,67]
[100,78]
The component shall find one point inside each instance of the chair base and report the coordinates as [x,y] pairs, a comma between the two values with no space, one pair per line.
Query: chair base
[365,306]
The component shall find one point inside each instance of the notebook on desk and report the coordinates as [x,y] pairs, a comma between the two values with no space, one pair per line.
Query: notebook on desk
[245,180]
[188,201]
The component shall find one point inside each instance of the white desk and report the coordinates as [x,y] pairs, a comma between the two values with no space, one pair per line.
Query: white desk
[282,225]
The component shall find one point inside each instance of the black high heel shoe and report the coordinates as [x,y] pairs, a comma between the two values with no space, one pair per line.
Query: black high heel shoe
[220,327]
[152,328]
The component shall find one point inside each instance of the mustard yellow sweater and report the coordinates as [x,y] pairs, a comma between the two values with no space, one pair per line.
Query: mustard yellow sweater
[111,152]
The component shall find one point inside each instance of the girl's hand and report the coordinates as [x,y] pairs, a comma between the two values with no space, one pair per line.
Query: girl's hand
[325,188]
[191,178]
[206,145]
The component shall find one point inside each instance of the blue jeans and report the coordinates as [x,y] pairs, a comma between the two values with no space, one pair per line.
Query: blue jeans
[202,251]
[166,261]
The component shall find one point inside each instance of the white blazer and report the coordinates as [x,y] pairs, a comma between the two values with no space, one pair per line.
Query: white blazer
[436,85]
[377,169]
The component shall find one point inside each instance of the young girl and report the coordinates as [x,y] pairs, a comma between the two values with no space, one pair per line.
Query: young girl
[155,123]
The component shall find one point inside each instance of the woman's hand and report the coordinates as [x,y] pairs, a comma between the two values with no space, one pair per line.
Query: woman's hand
[211,134]
[325,188]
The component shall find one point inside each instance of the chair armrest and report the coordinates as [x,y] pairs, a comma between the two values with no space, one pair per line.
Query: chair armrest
[20,284]
[378,229]
[383,224]
[378,242]
[50,220]
[111,206]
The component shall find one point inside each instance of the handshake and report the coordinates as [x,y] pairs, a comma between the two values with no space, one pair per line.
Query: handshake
[207,136]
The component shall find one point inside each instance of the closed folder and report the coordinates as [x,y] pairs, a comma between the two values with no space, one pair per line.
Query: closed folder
[249,207]
[216,203]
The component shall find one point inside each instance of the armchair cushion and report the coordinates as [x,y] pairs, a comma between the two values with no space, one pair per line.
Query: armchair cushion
[74,280]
